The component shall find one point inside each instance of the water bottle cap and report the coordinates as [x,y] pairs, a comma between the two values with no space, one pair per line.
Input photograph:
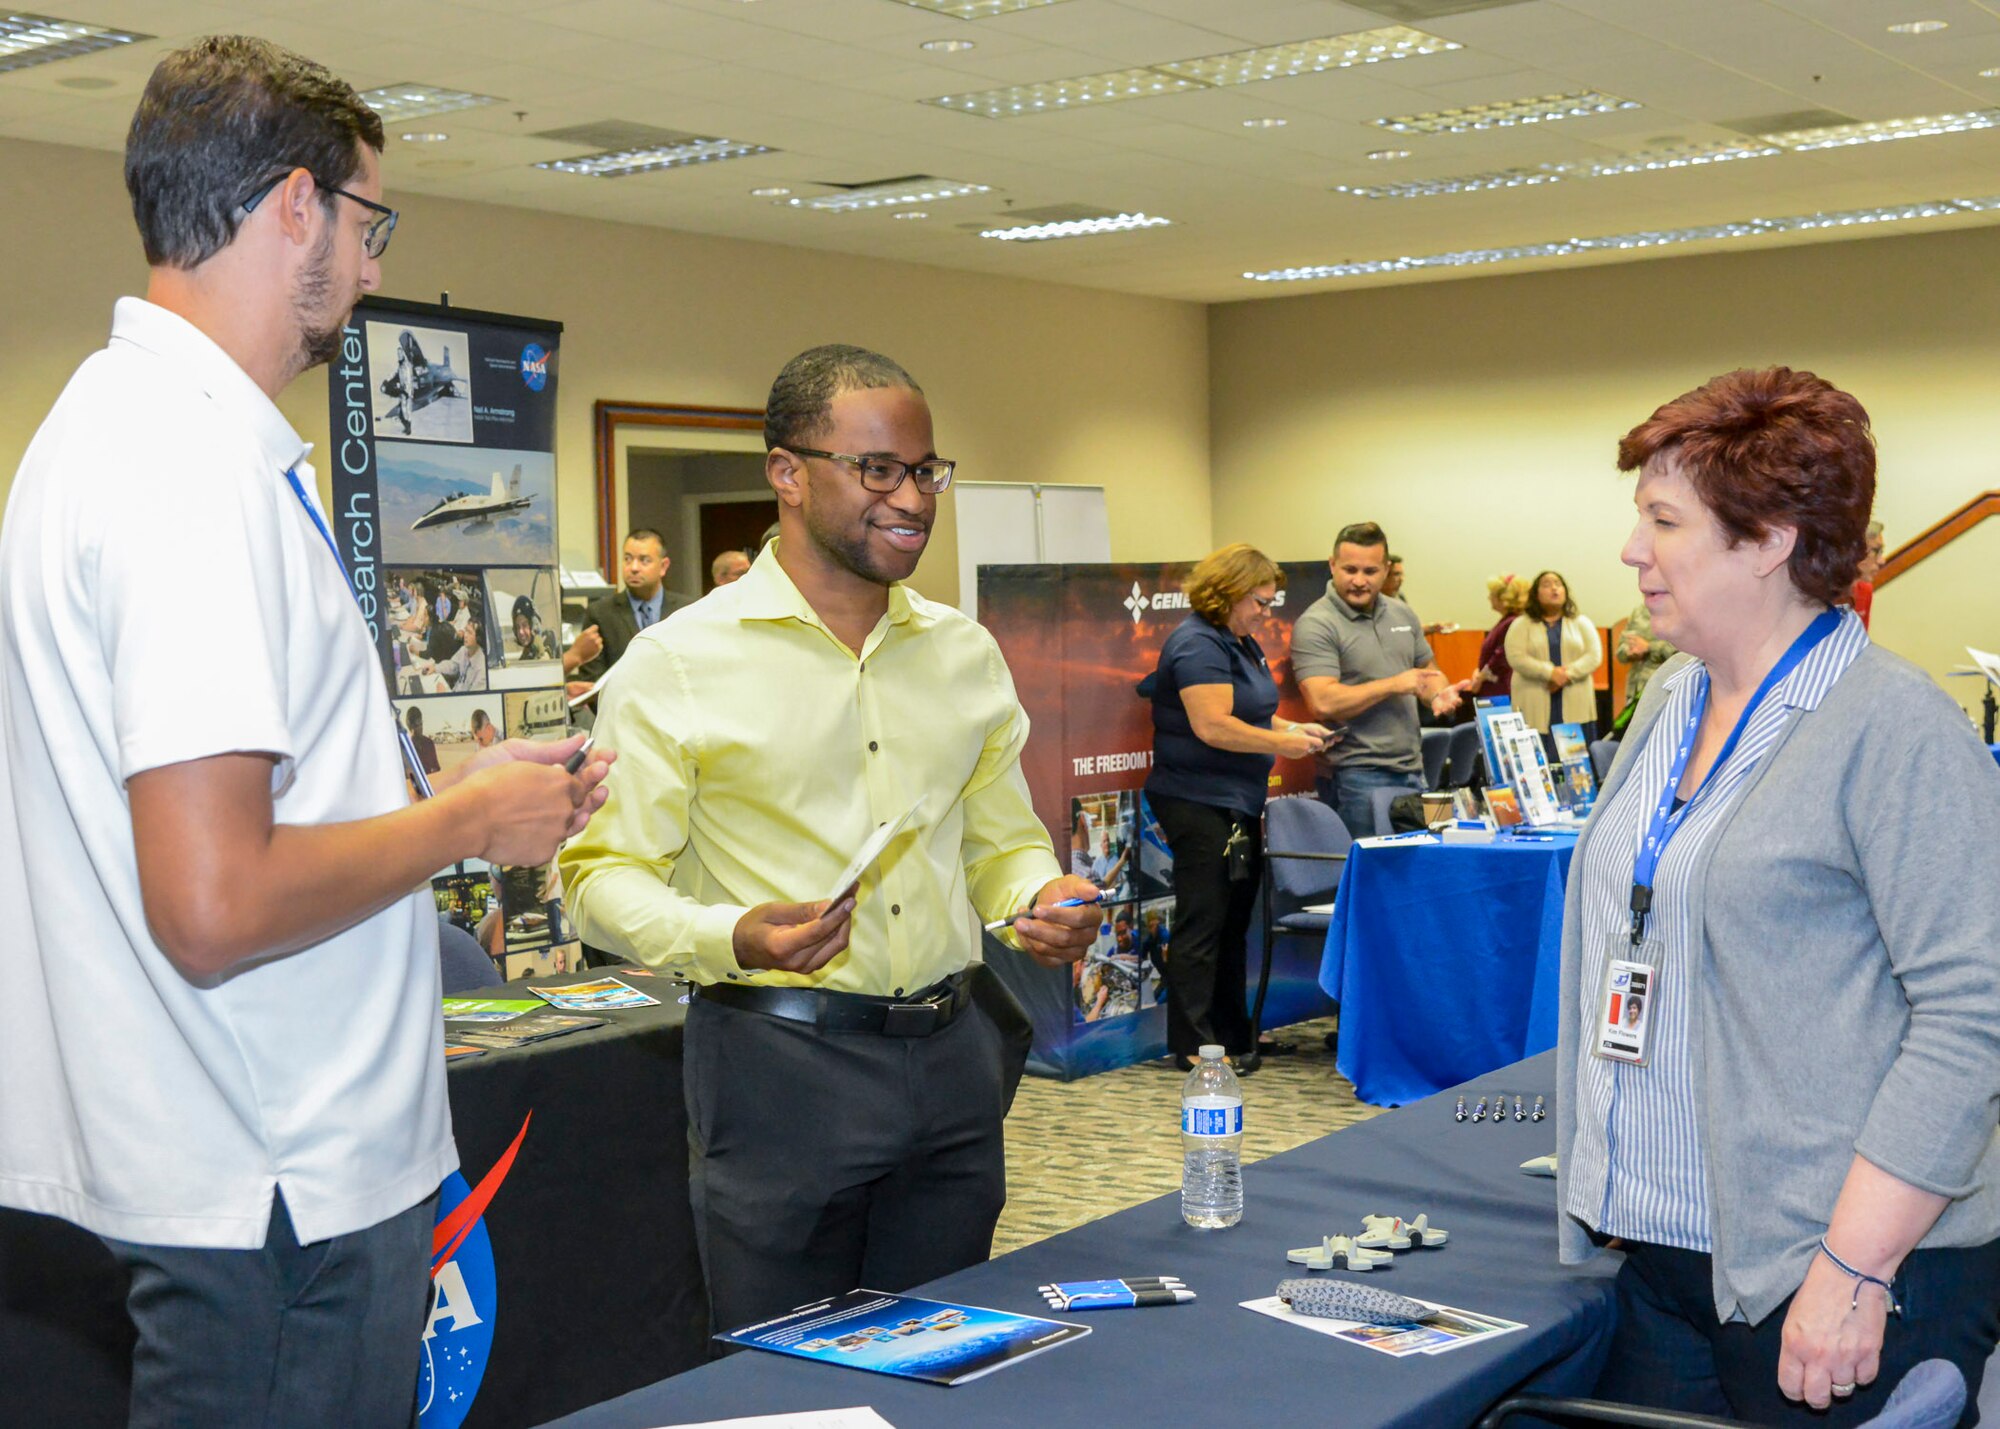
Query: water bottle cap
[1211,1053]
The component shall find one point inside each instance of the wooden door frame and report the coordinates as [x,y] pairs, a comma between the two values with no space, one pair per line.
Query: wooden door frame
[609,419]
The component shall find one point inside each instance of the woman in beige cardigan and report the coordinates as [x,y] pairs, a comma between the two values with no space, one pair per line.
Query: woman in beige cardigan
[1550,691]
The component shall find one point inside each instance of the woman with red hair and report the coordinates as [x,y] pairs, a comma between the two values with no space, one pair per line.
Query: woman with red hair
[1796,856]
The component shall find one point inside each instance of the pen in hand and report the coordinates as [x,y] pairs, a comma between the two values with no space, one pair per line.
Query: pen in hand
[998,923]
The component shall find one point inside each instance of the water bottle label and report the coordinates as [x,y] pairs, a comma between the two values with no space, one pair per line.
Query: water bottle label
[1212,1120]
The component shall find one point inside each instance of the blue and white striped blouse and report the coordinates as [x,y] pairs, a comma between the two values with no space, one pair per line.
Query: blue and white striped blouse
[1636,1167]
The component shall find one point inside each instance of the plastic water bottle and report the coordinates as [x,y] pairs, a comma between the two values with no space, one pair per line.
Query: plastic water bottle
[1211,1144]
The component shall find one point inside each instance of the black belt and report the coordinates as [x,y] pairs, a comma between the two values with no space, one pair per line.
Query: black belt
[919,1015]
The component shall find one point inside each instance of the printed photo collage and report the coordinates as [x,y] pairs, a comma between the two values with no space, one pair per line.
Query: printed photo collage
[1117,845]
[471,599]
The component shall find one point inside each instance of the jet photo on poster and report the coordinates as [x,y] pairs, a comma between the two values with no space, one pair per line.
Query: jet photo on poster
[463,506]
[419,394]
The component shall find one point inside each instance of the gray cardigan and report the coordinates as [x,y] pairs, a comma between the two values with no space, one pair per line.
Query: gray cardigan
[1847,977]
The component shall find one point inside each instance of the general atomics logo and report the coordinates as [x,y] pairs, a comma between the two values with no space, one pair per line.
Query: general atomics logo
[1139,603]
[458,1338]
[535,366]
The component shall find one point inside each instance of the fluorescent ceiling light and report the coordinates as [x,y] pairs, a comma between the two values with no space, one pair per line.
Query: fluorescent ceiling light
[1919,27]
[1363,47]
[1840,136]
[1687,156]
[948,47]
[1075,228]
[1653,238]
[27,40]
[1644,161]
[618,163]
[773,192]
[1542,109]
[890,195]
[1391,42]
[430,136]
[911,213]
[1265,123]
[978,9]
[1388,156]
[399,102]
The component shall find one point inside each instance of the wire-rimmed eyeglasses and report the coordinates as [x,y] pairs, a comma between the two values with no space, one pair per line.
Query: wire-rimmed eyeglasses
[375,239]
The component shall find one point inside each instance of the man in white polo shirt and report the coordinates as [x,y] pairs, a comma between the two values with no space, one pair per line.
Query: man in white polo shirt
[223,1050]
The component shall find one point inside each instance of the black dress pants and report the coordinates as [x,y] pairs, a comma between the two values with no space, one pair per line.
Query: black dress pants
[1669,1351]
[823,1162]
[1206,961]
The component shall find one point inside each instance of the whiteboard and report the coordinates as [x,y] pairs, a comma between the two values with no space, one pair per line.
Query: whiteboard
[1008,523]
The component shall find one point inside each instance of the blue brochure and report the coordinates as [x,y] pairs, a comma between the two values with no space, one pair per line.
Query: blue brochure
[905,1336]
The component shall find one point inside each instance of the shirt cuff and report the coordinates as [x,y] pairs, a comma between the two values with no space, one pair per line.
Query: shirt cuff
[711,944]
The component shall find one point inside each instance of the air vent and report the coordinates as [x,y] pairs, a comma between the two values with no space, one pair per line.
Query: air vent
[1056,213]
[1762,124]
[1410,11]
[619,134]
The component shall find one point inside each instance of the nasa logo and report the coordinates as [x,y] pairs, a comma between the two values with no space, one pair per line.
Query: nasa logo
[535,366]
[458,1339]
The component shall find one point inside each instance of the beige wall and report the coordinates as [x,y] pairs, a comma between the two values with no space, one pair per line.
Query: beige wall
[1028,381]
[1478,419]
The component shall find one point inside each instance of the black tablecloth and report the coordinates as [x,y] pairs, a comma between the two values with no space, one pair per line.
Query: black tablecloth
[1212,1359]
[599,1287]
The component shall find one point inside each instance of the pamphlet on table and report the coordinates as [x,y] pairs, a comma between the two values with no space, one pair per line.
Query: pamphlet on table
[605,993]
[520,1034]
[1446,1329]
[901,1335]
[488,1009]
[860,1417]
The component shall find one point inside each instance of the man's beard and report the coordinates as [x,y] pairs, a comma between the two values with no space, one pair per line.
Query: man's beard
[852,553]
[317,343]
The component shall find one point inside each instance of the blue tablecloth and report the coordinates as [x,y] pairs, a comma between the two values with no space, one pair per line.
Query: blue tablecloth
[1214,1360]
[1443,958]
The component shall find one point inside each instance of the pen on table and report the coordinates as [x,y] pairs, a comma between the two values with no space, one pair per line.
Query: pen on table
[999,923]
[1139,1282]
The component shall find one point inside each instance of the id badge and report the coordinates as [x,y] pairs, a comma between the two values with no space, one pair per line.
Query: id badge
[1625,1003]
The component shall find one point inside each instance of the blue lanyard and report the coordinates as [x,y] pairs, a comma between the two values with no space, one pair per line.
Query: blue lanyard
[410,759]
[1666,821]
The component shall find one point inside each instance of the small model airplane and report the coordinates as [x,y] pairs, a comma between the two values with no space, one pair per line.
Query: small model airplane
[417,382]
[476,509]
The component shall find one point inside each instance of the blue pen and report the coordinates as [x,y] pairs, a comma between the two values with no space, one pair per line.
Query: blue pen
[999,923]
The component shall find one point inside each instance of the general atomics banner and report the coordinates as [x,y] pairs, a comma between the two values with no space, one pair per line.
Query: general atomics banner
[1078,640]
[444,509]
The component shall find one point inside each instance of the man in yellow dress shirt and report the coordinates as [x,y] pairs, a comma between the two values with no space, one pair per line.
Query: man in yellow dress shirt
[847,1062]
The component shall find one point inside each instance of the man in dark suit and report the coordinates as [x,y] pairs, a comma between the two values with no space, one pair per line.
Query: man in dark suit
[644,601]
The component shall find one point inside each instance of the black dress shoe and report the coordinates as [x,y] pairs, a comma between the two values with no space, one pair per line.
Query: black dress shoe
[1247,1063]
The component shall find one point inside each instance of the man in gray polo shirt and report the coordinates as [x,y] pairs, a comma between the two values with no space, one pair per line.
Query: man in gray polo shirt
[1362,663]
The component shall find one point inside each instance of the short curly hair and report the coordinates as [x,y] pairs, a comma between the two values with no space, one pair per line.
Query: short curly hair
[800,407]
[1221,578]
[1773,447]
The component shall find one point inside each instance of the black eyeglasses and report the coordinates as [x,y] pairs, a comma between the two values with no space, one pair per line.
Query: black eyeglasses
[1265,602]
[375,239]
[883,474]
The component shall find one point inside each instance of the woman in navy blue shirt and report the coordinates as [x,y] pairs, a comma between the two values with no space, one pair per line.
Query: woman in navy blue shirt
[1214,741]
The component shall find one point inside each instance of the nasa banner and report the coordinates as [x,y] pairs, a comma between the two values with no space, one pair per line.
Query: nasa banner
[1078,640]
[444,509]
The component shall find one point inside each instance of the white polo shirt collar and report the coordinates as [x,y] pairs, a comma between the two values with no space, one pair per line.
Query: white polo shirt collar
[195,355]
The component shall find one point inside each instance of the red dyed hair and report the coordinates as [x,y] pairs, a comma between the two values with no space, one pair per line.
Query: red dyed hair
[1774,447]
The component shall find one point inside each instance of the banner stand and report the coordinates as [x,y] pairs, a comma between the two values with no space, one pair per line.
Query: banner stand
[1078,639]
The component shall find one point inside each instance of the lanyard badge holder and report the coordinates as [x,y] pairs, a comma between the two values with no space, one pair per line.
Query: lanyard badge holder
[1632,968]
[410,760]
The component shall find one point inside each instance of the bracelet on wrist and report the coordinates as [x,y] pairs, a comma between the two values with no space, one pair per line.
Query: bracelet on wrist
[1860,1279]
